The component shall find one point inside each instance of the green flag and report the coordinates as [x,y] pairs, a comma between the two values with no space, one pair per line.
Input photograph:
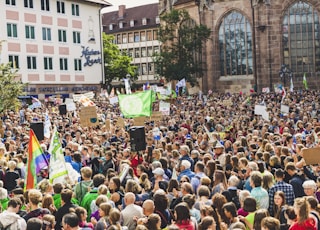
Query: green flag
[305,81]
[137,104]
[57,167]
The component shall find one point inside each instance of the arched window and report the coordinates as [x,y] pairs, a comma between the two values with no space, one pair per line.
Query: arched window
[301,50]
[235,40]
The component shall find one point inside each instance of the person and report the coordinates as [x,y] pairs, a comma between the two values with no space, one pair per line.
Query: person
[279,205]
[182,217]
[296,179]
[161,207]
[280,185]
[270,223]
[153,222]
[70,221]
[66,206]
[130,211]
[82,216]
[232,192]
[185,170]
[207,223]
[250,206]
[257,192]
[34,224]
[35,198]
[9,219]
[104,211]
[83,186]
[230,212]
[258,217]
[309,188]
[304,220]
[199,173]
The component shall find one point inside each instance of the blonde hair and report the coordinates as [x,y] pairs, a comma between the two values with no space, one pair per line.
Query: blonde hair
[303,207]
[34,196]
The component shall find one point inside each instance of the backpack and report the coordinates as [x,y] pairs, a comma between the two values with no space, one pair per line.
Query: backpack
[12,226]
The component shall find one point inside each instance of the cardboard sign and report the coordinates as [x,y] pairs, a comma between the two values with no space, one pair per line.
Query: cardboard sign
[164,107]
[139,121]
[227,102]
[193,90]
[71,106]
[88,116]
[120,122]
[113,100]
[156,116]
[311,156]
[284,109]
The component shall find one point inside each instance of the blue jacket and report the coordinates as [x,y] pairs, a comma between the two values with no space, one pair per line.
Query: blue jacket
[186,172]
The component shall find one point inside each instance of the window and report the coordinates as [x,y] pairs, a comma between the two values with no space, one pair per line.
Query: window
[11,2]
[137,52]
[46,34]
[47,63]
[149,51]
[60,7]
[14,60]
[75,9]
[300,37]
[136,37]
[157,20]
[235,40]
[131,37]
[143,52]
[77,65]
[144,21]
[12,30]
[131,23]
[130,53]
[30,32]
[62,36]
[31,62]
[111,27]
[28,3]
[120,25]
[155,35]
[118,38]
[149,35]
[45,5]
[144,68]
[124,38]
[76,37]
[150,68]
[63,64]
[143,36]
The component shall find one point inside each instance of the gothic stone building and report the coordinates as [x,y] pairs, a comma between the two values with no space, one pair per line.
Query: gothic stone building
[252,39]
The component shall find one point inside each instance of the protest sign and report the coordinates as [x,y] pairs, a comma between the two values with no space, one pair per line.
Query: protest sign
[88,116]
[113,100]
[261,110]
[156,116]
[227,102]
[108,124]
[85,101]
[311,156]
[284,108]
[139,121]
[120,122]
[193,90]
[71,106]
[164,107]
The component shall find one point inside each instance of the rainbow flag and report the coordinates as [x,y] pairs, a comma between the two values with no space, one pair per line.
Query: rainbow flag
[36,161]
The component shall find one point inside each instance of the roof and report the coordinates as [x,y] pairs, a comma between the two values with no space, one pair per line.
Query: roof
[101,2]
[150,12]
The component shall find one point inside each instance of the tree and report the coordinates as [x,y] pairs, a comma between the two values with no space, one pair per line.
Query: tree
[116,64]
[181,51]
[10,88]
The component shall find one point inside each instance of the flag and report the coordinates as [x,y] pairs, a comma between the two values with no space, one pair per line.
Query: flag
[57,167]
[47,125]
[146,86]
[181,83]
[291,85]
[305,81]
[136,105]
[36,161]
[283,93]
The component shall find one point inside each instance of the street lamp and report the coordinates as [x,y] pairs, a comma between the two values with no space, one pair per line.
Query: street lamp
[283,73]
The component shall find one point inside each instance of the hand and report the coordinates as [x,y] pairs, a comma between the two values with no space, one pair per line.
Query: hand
[93,221]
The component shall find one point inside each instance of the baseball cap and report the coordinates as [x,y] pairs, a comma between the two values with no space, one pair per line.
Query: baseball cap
[158,171]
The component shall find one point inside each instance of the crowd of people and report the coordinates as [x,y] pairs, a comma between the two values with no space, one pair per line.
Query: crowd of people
[216,165]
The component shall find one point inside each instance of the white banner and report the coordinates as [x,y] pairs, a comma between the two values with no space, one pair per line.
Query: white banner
[164,108]
[113,100]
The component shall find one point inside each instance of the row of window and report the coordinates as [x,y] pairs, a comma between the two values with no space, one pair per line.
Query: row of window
[46,33]
[145,68]
[47,63]
[140,36]
[132,23]
[141,52]
[45,6]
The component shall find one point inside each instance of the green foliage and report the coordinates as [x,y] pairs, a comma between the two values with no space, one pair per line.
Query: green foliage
[181,50]
[10,88]
[116,64]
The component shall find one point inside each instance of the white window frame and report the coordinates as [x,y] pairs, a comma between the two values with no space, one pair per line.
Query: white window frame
[48,63]
[13,33]
[62,36]
[28,4]
[45,5]
[33,62]
[46,34]
[77,65]
[63,63]
[28,30]
[61,9]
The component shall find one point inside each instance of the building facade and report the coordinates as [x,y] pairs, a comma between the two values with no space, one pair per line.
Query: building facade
[257,43]
[136,33]
[54,45]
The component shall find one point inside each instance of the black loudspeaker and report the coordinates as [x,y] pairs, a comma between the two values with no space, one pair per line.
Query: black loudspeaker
[137,138]
[63,109]
[38,130]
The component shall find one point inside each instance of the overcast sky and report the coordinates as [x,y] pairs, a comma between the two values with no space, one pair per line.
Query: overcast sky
[128,3]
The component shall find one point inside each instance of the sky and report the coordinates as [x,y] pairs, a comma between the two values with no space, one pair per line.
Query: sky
[128,3]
